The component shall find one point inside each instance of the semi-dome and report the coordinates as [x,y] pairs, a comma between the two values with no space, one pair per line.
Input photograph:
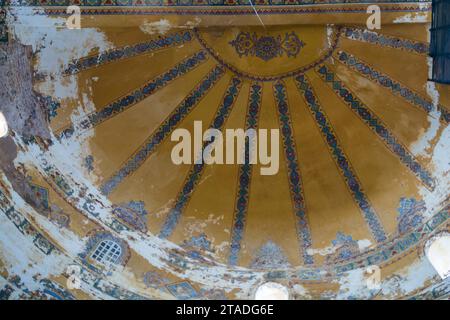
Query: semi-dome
[349,183]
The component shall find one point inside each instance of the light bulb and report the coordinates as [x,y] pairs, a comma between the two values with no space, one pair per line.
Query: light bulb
[272,291]
[438,253]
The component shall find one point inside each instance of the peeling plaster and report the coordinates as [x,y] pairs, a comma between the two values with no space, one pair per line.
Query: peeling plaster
[161,27]
[416,17]
[51,42]
[55,47]
[423,144]
[362,245]
[441,165]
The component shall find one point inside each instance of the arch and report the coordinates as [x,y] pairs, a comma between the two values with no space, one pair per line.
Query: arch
[437,250]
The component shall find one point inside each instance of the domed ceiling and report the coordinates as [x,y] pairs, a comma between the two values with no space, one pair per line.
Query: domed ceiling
[362,179]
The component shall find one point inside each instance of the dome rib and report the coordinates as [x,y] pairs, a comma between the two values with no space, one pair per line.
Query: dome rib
[244,177]
[149,146]
[342,162]
[376,125]
[195,173]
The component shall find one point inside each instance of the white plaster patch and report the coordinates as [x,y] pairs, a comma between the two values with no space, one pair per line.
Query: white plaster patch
[422,145]
[353,284]
[55,45]
[412,18]
[440,162]
[194,23]
[150,247]
[362,245]
[322,251]
[330,33]
[160,27]
[195,226]
[222,247]
[409,279]
[22,258]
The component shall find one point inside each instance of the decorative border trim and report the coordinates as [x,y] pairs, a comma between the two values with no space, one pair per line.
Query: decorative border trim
[293,169]
[439,291]
[260,78]
[196,170]
[155,139]
[241,10]
[198,3]
[399,245]
[244,177]
[338,155]
[129,51]
[386,81]
[385,40]
[376,125]
[26,228]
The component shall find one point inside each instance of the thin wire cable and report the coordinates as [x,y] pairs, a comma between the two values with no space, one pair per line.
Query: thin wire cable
[256,12]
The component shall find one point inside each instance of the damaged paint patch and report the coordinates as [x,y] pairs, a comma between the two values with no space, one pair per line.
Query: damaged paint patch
[157,27]
[415,17]
[54,47]
[440,163]
[422,146]
[362,245]
[408,279]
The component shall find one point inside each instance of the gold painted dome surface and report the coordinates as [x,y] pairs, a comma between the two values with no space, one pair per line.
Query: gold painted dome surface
[363,153]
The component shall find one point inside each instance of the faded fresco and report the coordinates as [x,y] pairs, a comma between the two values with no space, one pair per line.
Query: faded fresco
[93,206]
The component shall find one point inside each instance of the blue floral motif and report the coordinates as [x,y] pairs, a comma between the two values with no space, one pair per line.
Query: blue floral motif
[242,197]
[270,256]
[274,77]
[346,248]
[295,181]
[51,106]
[200,242]
[133,214]
[409,214]
[267,47]
[89,163]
